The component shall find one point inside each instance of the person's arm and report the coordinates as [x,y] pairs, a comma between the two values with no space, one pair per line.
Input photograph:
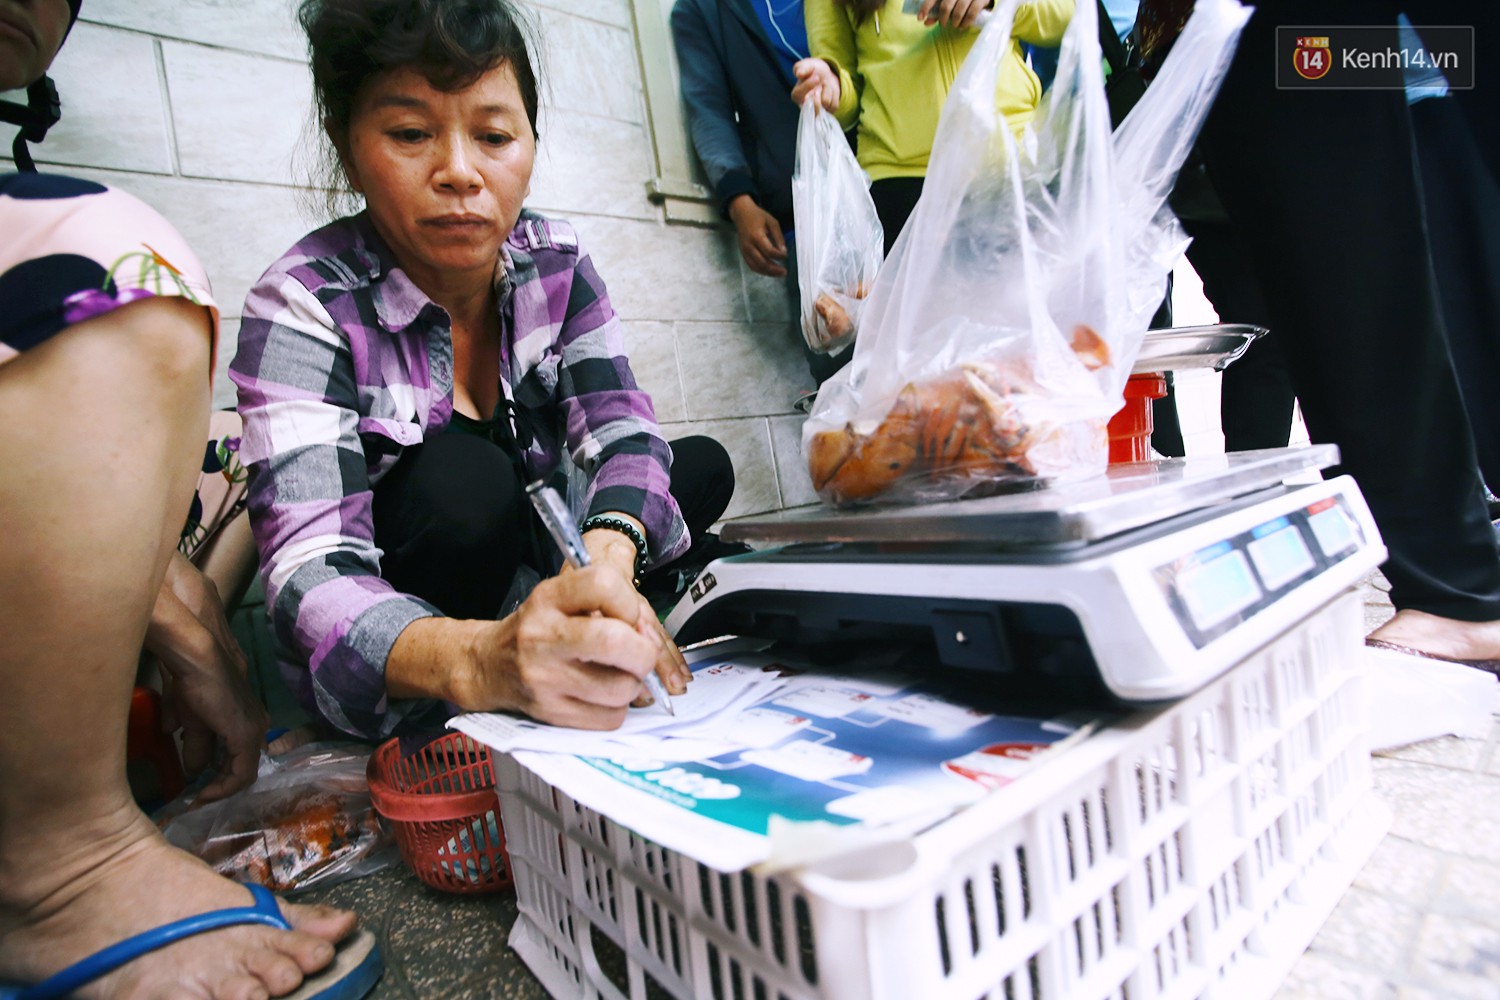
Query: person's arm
[612,432]
[710,110]
[309,501]
[830,37]
[207,688]
[613,436]
[716,138]
[1042,22]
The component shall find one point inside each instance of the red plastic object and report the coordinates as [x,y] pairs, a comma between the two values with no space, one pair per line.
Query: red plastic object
[443,812]
[146,745]
[1130,428]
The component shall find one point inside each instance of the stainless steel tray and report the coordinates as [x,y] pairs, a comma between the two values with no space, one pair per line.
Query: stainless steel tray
[1124,497]
[1180,347]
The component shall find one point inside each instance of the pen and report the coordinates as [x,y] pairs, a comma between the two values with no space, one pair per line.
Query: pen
[559,521]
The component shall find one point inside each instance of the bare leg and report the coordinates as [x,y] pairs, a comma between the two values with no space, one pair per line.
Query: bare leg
[104,428]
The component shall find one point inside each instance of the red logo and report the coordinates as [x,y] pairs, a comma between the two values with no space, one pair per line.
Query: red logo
[1312,58]
[996,765]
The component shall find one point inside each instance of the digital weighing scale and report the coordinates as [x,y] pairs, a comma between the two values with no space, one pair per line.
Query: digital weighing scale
[1155,577]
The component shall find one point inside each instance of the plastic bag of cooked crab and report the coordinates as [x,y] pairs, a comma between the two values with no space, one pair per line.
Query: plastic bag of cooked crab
[307,821]
[996,342]
[839,240]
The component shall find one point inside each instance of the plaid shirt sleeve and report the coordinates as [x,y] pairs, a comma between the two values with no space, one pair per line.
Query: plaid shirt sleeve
[611,427]
[332,615]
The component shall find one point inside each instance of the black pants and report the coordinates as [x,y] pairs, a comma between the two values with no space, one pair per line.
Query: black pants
[1462,200]
[895,198]
[1323,190]
[454,524]
[1256,400]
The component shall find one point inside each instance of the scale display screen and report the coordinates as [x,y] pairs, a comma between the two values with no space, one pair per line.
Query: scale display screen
[1332,529]
[1217,587]
[1280,555]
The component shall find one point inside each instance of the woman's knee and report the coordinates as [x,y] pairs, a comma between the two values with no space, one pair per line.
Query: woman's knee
[703,453]
[174,336]
[150,347]
[702,480]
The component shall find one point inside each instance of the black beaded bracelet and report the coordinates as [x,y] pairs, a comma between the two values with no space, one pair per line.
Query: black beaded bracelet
[625,528]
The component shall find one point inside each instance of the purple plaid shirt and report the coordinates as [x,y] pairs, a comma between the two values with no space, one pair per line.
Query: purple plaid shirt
[343,363]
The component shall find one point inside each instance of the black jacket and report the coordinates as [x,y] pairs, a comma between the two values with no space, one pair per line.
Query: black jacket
[728,69]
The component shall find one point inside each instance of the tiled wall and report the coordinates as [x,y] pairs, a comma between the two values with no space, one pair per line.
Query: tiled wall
[200,108]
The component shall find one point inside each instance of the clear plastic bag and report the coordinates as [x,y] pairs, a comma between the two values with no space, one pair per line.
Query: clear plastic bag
[839,240]
[306,821]
[996,343]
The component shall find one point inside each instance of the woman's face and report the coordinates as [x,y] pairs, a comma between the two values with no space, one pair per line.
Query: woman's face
[31,32]
[443,174]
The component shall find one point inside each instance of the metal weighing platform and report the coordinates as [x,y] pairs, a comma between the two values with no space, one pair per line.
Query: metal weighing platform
[1153,578]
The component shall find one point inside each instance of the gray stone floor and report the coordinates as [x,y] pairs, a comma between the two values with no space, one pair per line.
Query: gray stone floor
[1421,922]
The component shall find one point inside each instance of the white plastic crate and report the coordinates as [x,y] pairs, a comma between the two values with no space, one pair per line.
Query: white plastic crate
[1190,851]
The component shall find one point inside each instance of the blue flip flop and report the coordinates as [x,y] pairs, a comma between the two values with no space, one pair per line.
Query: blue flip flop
[355,967]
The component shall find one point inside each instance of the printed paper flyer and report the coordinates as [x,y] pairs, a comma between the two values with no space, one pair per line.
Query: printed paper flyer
[844,751]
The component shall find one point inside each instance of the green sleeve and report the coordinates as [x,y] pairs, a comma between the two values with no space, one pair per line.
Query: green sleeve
[1042,22]
[830,37]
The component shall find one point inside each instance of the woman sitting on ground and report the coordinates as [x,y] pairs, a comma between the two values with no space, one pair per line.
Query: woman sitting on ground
[107,333]
[405,372]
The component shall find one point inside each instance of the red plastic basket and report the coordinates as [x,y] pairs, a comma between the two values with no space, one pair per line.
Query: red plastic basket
[441,805]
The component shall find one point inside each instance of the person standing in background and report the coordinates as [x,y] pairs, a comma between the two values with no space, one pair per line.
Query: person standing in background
[735,58]
[1461,198]
[889,72]
[1323,188]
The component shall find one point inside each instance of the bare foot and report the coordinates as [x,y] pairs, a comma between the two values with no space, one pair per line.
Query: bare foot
[141,884]
[1444,637]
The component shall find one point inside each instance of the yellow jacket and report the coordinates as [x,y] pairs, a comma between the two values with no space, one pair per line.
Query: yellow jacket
[895,73]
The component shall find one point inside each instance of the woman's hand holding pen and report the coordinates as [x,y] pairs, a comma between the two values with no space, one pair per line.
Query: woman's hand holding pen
[575,653]
[611,548]
[578,667]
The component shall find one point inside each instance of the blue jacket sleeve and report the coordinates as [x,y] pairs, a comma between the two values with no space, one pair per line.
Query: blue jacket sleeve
[710,109]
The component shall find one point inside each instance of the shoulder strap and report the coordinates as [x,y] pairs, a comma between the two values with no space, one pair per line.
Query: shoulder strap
[1109,42]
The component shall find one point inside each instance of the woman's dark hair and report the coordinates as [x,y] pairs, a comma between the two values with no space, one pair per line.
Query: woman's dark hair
[452,43]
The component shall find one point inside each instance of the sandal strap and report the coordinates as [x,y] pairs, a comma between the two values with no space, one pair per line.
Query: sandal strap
[106,960]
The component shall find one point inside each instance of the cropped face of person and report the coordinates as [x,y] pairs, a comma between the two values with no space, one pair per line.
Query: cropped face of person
[31,32]
[443,174]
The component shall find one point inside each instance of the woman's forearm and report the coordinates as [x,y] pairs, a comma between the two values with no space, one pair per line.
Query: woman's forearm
[441,658]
